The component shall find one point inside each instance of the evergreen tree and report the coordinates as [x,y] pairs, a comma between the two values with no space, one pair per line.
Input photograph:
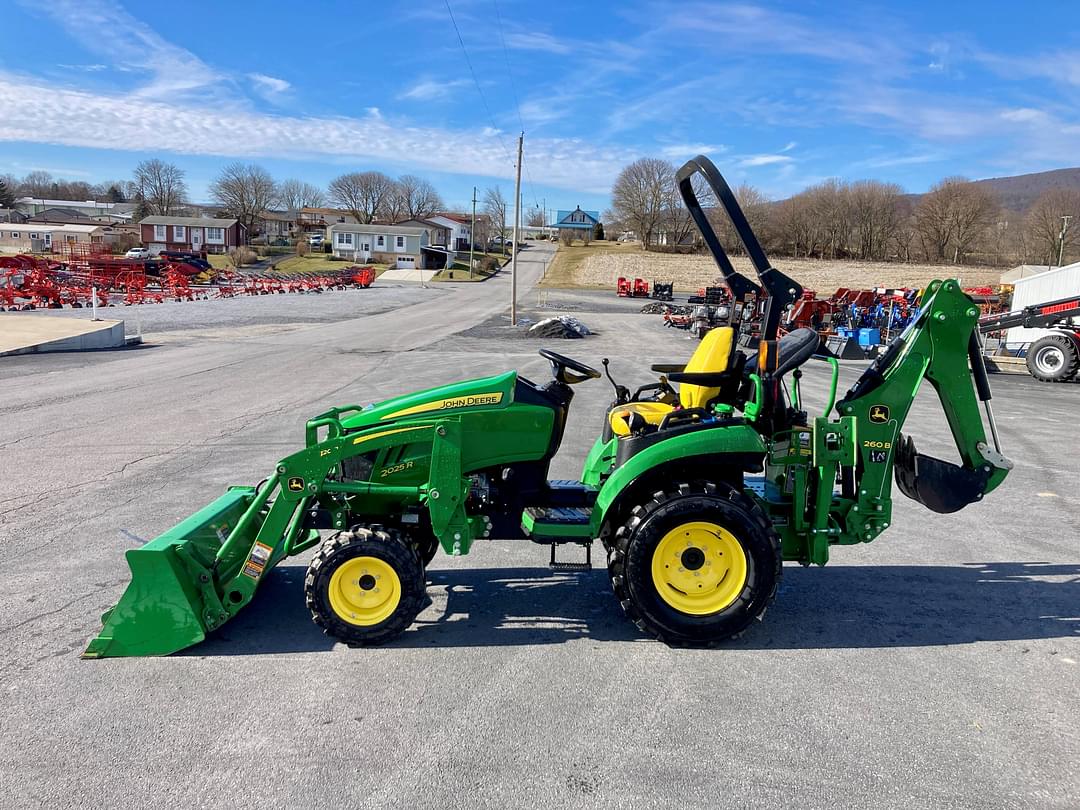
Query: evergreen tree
[7,196]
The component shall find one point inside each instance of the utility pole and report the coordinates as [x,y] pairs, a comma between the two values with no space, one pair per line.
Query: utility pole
[472,233]
[517,218]
[1064,227]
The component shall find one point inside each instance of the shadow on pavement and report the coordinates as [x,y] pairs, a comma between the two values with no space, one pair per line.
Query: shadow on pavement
[837,607]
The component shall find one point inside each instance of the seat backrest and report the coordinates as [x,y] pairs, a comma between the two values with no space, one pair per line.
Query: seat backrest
[712,355]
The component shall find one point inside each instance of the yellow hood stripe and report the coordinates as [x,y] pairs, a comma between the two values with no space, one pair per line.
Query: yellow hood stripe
[469,401]
[370,436]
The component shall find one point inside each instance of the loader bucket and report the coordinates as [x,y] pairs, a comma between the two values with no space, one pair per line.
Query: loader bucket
[171,601]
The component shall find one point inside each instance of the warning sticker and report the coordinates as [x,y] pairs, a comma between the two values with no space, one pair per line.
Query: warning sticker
[257,560]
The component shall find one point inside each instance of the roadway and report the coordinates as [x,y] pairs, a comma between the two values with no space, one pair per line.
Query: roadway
[936,667]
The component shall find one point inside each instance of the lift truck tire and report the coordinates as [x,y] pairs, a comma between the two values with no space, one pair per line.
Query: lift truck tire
[365,585]
[696,565]
[1054,358]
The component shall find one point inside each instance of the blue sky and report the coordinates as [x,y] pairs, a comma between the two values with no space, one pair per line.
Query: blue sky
[778,94]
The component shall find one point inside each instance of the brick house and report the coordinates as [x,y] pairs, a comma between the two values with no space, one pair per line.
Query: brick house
[192,234]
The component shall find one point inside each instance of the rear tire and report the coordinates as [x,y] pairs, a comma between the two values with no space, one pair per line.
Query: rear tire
[1053,358]
[365,585]
[696,565]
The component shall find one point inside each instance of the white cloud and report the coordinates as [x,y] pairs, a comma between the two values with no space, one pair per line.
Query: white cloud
[268,84]
[535,41]
[95,68]
[790,145]
[40,113]
[677,151]
[1024,115]
[765,160]
[104,28]
[430,90]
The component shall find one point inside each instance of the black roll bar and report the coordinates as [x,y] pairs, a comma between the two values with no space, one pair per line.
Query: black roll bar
[780,291]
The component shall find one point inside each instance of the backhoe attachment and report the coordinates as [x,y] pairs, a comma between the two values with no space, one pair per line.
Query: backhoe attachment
[941,345]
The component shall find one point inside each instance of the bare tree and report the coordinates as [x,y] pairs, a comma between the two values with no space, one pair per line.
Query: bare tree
[362,194]
[160,187]
[952,216]
[416,197]
[641,196]
[677,222]
[292,195]
[495,208]
[37,184]
[754,205]
[244,191]
[535,218]
[1044,222]
[875,215]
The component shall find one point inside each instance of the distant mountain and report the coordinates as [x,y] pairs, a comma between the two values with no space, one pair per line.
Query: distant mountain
[1019,192]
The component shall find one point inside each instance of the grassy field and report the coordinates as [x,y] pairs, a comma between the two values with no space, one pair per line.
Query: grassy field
[598,265]
[220,261]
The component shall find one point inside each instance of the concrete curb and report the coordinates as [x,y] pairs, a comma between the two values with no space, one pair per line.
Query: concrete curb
[107,335]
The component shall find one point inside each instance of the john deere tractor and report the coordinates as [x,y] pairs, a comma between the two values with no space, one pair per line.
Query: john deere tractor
[698,489]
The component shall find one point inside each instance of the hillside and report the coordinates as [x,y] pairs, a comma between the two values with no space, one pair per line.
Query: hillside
[1019,192]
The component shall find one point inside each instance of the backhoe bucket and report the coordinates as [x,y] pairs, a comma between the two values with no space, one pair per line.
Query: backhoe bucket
[172,600]
[940,486]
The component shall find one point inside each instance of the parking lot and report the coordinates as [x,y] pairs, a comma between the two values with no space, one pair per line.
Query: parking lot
[936,667]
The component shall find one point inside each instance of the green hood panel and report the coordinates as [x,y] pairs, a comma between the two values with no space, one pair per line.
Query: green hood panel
[487,393]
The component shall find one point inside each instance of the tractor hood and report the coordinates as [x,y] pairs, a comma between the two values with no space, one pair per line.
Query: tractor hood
[486,393]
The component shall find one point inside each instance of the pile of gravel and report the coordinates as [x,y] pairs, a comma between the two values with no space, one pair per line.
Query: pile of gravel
[560,328]
[660,307]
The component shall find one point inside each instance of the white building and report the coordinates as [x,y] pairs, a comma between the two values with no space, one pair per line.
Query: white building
[1038,289]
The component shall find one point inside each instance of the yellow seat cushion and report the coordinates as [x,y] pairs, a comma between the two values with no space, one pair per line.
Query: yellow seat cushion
[651,412]
[712,355]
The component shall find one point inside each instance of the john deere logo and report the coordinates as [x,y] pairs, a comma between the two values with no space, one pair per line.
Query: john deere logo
[296,485]
[879,414]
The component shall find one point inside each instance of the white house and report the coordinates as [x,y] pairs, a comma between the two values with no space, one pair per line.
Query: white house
[396,245]
[458,227]
[40,238]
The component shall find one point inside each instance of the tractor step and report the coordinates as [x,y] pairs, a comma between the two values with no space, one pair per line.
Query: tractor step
[555,565]
[557,524]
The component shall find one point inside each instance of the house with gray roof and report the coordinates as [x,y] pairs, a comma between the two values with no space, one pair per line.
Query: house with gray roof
[194,234]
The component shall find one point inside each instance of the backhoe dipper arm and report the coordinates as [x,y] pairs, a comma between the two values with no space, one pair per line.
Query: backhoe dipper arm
[780,290]
[938,345]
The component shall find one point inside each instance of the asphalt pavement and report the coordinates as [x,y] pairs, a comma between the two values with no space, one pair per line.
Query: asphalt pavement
[938,666]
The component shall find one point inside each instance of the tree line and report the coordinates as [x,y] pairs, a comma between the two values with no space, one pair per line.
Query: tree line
[955,222]
[248,191]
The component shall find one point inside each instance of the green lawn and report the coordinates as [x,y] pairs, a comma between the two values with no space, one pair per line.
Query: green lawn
[220,261]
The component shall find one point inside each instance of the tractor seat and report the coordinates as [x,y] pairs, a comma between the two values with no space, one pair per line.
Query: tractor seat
[793,349]
[715,354]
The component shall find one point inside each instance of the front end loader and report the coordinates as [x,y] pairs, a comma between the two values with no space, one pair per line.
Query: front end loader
[697,493]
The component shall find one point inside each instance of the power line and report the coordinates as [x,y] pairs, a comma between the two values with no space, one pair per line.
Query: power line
[476,81]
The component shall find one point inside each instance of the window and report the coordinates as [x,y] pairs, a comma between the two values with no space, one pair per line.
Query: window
[215,234]
[179,233]
[159,233]
[401,242]
[344,239]
[33,236]
[380,241]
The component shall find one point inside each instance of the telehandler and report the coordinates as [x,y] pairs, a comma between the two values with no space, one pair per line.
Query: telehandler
[698,494]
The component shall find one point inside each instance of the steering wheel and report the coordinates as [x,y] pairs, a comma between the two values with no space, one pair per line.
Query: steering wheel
[561,366]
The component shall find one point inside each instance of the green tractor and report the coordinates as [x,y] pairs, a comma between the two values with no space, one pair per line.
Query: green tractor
[698,494]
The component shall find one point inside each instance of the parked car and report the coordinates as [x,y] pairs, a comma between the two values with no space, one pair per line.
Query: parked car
[137,253]
[315,239]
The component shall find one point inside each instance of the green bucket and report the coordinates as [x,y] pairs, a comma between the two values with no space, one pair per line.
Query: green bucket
[172,601]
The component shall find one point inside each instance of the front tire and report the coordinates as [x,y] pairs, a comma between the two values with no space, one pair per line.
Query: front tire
[365,585]
[696,565]
[1053,358]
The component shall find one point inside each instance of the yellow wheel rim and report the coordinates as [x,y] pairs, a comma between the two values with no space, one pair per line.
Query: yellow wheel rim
[365,591]
[699,568]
